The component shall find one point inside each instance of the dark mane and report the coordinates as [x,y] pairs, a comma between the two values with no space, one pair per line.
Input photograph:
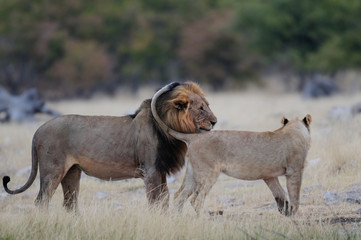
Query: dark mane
[170,152]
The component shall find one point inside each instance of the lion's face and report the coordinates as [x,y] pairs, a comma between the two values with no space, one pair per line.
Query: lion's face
[190,108]
[201,114]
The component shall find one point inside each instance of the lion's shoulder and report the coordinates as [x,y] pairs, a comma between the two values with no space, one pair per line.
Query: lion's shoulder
[145,106]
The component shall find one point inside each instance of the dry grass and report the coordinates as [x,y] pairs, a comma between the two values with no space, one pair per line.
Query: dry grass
[118,210]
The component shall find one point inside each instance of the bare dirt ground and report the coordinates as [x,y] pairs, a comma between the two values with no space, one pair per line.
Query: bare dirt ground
[330,196]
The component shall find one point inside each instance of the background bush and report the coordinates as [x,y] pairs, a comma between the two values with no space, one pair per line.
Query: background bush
[73,48]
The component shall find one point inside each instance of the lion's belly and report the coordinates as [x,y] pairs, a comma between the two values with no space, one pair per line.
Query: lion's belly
[111,170]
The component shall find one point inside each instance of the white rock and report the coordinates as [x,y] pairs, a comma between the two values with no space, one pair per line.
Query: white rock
[312,187]
[331,198]
[235,203]
[101,195]
[226,199]
[171,179]
[117,205]
[353,196]
[340,113]
[359,211]
[314,162]
[3,196]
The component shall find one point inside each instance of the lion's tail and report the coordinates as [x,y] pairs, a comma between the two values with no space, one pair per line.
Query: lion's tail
[34,170]
[178,135]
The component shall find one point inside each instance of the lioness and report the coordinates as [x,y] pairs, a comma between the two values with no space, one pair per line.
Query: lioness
[115,148]
[245,155]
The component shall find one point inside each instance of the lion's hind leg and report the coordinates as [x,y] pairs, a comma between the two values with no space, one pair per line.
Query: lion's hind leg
[48,185]
[278,193]
[52,171]
[70,184]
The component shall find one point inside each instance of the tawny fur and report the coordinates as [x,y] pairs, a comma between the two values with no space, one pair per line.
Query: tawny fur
[248,156]
[115,148]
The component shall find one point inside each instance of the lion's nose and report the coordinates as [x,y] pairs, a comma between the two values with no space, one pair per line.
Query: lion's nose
[213,123]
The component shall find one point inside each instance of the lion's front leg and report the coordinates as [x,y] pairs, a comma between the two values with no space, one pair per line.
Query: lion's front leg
[156,188]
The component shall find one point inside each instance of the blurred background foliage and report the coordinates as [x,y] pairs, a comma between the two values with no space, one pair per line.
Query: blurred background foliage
[74,48]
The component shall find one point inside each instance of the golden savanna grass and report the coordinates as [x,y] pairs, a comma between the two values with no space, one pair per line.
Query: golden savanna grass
[118,210]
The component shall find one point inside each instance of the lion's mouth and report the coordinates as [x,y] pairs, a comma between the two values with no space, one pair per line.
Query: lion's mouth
[205,130]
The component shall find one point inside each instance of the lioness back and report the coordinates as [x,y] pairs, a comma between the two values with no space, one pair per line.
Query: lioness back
[252,148]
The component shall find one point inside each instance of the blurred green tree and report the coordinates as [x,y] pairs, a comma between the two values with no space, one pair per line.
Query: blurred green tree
[81,46]
[314,36]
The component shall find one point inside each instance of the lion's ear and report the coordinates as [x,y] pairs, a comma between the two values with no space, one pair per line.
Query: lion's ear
[181,103]
[284,120]
[307,120]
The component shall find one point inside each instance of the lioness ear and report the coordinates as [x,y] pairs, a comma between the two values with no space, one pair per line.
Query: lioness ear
[284,120]
[307,120]
[180,103]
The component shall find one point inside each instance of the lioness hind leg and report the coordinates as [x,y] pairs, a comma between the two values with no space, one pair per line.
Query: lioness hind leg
[278,193]
[70,184]
[293,186]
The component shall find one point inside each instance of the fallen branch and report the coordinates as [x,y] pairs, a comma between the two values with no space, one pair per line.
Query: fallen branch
[23,107]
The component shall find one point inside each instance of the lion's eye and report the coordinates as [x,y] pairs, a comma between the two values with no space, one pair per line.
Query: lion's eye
[202,108]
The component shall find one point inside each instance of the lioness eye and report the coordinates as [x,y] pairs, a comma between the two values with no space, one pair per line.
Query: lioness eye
[202,108]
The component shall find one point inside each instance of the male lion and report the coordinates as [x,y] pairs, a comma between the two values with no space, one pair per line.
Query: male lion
[244,155]
[115,148]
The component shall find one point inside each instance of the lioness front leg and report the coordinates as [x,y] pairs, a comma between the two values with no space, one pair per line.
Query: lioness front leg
[293,186]
[199,196]
[202,189]
[186,189]
[278,193]
[182,195]
[203,181]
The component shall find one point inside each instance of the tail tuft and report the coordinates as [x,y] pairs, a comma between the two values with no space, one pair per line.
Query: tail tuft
[6,180]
